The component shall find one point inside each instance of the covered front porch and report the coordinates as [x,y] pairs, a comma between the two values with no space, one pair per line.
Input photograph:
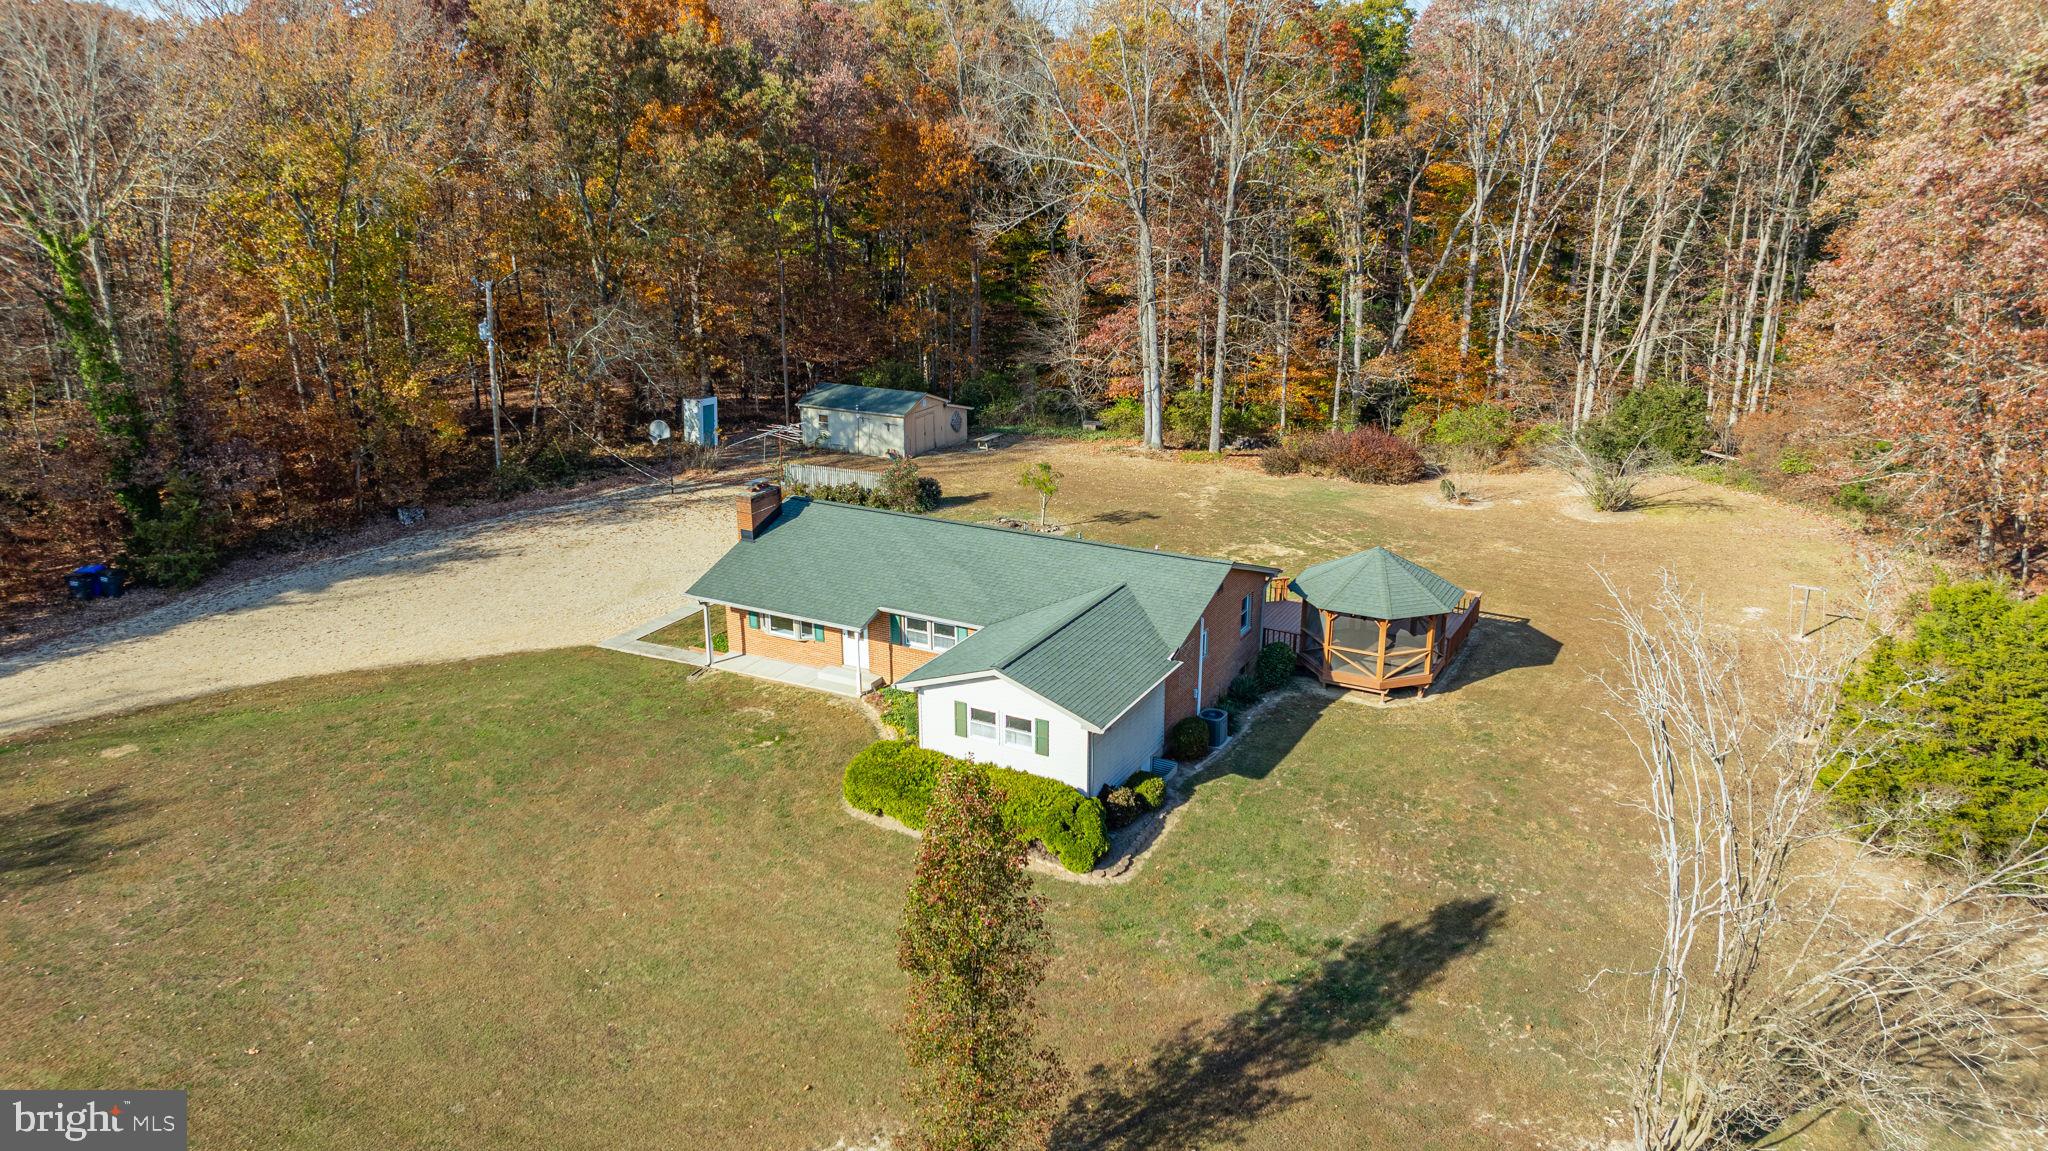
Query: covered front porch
[1372,622]
[840,679]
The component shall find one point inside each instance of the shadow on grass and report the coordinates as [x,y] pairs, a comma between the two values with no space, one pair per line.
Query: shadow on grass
[1116,518]
[1212,1085]
[948,502]
[1272,736]
[1499,643]
[48,842]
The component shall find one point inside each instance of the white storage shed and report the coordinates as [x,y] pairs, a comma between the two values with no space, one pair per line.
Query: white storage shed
[880,421]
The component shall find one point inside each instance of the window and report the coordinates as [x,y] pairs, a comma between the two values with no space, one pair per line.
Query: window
[784,626]
[1018,731]
[930,635]
[1244,616]
[981,724]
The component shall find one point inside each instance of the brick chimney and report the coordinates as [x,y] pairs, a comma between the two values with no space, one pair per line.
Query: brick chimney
[758,506]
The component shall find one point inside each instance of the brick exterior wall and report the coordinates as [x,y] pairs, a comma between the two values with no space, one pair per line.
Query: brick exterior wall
[810,653]
[892,661]
[1229,653]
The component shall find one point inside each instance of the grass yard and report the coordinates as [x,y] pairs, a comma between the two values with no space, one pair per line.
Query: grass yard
[577,899]
[688,632]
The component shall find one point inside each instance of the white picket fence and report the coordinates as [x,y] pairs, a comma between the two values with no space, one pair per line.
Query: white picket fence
[820,476]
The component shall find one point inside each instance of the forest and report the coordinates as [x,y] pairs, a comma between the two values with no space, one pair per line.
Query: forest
[274,268]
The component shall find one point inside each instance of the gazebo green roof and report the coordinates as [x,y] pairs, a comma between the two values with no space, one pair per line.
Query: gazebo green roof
[1377,584]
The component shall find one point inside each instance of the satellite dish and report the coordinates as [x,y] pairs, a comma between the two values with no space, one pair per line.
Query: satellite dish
[657,431]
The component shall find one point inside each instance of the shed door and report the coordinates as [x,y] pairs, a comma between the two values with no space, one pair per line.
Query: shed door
[849,647]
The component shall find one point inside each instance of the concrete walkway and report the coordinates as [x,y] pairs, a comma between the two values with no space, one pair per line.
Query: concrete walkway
[838,680]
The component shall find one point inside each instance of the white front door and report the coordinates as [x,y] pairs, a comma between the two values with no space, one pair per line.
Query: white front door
[850,646]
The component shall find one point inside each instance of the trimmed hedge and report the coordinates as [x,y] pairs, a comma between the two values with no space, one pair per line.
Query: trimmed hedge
[896,778]
[1188,739]
[1275,666]
[899,710]
[1150,787]
[1130,800]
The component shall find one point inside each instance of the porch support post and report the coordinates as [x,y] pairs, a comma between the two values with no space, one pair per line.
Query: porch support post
[1381,674]
[1429,655]
[1324,644]
[710,654]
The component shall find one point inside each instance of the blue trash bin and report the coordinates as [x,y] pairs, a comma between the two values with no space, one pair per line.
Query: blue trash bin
[84,582]
[111,582]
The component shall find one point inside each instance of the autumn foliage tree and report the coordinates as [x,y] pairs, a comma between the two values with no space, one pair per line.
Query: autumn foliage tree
[1933,311]
[973,943]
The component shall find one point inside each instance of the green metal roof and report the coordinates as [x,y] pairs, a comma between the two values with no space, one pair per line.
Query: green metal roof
[1093,655]
[855,398]
[1377,584]
[838,564]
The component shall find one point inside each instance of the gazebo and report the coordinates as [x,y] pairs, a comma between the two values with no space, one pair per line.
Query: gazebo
[1379,623]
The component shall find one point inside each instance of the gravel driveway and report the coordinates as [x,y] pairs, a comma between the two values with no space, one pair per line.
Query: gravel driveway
[553,577]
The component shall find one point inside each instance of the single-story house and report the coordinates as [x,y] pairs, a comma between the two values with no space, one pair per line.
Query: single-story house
[1063,657]
[880,421]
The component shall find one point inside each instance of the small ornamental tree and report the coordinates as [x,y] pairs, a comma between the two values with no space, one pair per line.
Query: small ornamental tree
[973,943]
[1041,478]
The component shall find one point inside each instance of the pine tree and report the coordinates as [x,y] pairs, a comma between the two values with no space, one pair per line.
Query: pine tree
[973,943]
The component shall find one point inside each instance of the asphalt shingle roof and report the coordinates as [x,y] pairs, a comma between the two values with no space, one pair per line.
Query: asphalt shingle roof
[855,398]
[1071,615]
[1377,584]
[1093,654]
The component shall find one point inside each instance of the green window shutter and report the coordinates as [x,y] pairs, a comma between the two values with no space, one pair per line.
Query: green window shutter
[818,632]
[754,620]
[1044,737]
[896,630]
[960,718]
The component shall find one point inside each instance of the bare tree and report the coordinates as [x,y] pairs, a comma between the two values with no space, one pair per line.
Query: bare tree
[1242,75]
[1090,113]
[1806,966]
[1054,339]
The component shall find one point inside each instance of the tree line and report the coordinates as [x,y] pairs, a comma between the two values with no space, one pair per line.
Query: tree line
[272,268]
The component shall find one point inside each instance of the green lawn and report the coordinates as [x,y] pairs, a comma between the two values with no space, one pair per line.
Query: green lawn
[578,899]
[520,900]
[688,632]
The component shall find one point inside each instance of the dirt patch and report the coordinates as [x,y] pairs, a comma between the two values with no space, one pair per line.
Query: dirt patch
[574,573]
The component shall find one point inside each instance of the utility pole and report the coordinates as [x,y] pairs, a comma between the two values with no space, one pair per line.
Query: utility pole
[489,331]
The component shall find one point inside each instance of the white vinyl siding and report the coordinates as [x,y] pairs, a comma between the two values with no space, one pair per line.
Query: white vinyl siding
[1073,755]
[1129,744]
[990,701]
